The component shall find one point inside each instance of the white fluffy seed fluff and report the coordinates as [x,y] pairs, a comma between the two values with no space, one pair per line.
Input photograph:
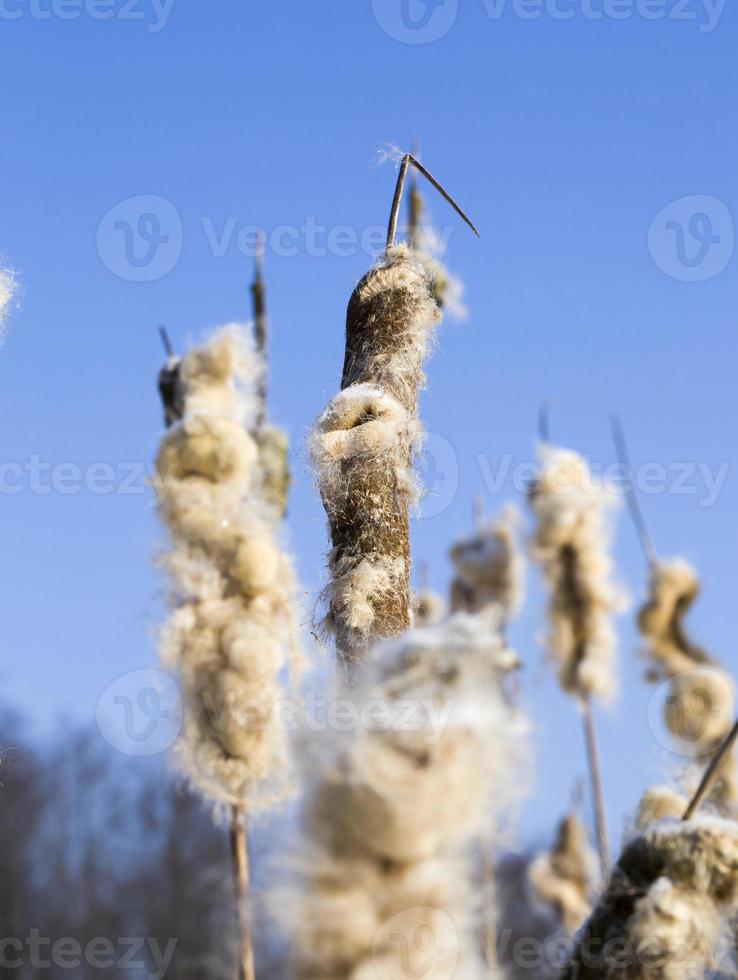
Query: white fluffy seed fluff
[571,543]
[428,607]
[563,878]
[700,709]
[233,626]
[392,805]
[490,568]
[668,911]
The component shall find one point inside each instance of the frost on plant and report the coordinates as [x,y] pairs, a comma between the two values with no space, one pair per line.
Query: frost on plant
[392,805]
[233,624]
[571,543]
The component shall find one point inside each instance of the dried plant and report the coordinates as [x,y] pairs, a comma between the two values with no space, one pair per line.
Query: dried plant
[391,807]
[700,709]
[571,543]
[489,568]
[563,878]
[363,444]
[234,621]
[671,901]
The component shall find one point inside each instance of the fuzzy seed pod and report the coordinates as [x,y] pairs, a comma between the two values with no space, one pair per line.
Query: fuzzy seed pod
[571,544]
[273,448]
[674,587]
[659,803]
[234,621]
[428,608]
[563,878]
[672,896]
[700,709]
[362,450]
[490,570]
[391,806]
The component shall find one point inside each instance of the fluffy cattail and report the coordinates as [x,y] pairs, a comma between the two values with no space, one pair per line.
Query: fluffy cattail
[234,622]
[669,903]
[363,447]
[571,544]
[428,607]
[563,878]
[659,803]
[700,710]
[391,806]
[490,568]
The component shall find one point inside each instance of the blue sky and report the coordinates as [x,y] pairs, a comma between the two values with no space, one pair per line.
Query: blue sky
[564,138]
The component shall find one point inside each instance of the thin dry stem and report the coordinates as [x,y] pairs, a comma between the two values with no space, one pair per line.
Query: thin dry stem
[598,801]
[240,859]
[712,773]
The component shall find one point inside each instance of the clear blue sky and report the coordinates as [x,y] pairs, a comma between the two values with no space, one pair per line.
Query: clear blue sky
[564,138]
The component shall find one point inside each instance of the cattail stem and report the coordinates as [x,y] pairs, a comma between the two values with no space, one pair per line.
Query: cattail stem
[595,773]
[490,905]
[711,774]
[240,859]
[636,514]
[258,307]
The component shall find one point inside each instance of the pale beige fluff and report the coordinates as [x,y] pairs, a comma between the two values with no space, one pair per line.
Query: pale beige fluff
[7,288]
[563,878]
[233,626]
[490,568]
[659,803]
[672,896]
[392,805]
[428,607]
[571,543]
[700,709]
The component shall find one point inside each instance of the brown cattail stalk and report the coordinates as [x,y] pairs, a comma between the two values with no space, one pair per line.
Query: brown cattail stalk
[364,443]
